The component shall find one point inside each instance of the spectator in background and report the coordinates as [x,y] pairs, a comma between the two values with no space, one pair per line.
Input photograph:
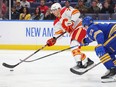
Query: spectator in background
[51,1]
[115,8]
[107,8]
[4,8]
[25,15]
[49,15]
[74,0]
[94,8]
[111,2]
[31,1]
[14,13]
[37,15]
[62,1]
[99,4]
[88,3]
[43,7]
[81,7]
[25,3]
[18,5]
[0,9]
[67,4]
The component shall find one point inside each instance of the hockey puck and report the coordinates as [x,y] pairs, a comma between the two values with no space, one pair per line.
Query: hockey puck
[11,70]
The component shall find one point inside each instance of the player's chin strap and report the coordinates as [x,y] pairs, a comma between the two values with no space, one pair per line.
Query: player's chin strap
[50,54]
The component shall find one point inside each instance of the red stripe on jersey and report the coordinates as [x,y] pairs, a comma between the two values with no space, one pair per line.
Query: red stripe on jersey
[62,11]
[55,21]
[58,18]
[79,34]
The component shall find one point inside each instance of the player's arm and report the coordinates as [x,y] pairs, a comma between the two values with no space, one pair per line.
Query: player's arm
[89,37]
[75,14]
[68,24]
[57,31]
[99,37]
[101,50]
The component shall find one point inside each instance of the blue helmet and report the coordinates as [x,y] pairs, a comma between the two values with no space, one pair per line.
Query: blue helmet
[87,21]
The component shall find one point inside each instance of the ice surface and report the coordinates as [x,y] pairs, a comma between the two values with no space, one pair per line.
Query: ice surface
[52,71]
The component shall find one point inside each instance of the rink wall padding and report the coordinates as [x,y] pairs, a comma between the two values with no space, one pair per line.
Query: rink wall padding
[35,47]
[32,35]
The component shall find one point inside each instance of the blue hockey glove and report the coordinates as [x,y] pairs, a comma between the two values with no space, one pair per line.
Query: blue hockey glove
[100,51]
[84,43]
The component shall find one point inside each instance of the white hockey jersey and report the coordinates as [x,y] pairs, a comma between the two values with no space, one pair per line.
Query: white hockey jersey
[67,13]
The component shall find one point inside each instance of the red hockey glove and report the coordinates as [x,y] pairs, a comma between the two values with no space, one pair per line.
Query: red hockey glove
[67,25]
[51,41]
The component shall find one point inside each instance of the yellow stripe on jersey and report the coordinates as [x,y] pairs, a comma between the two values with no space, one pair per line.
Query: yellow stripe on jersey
[112,49]
[98,45]
[114,62]
[75,11]
[109,40]
[78,33]
[105,58]
[59,32]
[96,33]
[79,24]
[113,29]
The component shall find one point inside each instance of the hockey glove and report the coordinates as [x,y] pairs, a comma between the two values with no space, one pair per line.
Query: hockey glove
[67,25]
[84,43]
[100,50]
[51,41]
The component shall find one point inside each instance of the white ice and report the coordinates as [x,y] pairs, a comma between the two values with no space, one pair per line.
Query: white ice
[52,71]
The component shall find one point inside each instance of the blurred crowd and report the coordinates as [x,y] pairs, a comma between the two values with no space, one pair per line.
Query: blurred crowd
[40,9]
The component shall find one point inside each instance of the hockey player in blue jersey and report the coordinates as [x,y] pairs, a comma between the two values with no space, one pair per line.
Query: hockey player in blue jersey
[105,35]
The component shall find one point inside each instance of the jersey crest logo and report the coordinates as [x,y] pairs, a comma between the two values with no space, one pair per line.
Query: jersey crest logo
[91,32]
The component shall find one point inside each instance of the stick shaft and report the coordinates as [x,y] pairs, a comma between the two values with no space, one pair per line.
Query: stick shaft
[51,54]
[40,49]
[12,66]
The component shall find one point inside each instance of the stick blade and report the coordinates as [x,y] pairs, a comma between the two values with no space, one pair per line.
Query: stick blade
[81,72]
[77,72]
[9,66]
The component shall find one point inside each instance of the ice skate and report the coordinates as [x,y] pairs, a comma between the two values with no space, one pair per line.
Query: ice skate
[110,76]
[80,68]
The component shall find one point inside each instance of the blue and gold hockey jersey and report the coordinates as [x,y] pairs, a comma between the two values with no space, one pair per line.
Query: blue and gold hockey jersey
[100,32]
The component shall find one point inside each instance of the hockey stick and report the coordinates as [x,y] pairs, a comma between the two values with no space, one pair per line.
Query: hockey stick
[13,66]
[81,73]
[51,54]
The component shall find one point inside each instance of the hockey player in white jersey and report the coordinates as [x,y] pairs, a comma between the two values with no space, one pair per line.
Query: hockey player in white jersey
[67,19]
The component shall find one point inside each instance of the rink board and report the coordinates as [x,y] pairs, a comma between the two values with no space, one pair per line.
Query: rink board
[31,35]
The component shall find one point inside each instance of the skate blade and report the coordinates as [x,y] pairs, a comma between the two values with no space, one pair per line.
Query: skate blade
[80,71]
[108,80]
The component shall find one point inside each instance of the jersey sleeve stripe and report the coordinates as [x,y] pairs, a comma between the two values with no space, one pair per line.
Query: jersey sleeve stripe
[74,12]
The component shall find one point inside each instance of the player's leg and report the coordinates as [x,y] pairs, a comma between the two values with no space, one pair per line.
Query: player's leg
[109,60]
[81,60]
[111,70]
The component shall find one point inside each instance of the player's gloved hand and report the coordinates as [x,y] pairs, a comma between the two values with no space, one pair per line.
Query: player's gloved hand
[84,43]
[51,41]
[67,25]
[100,50]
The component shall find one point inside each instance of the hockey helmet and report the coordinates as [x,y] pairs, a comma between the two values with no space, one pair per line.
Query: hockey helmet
[87,21]
[56,6]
